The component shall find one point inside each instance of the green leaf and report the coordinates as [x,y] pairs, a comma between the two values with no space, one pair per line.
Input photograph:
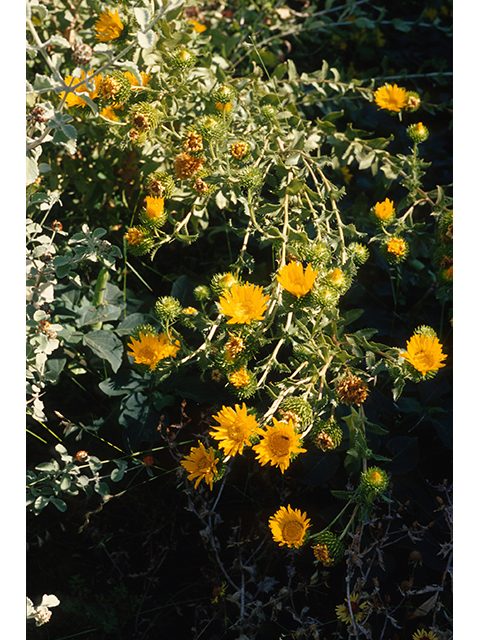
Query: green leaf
[60,504]
[32,170]
[140,419]
[106,345]
[405,452]
[146,40]
[142,15]
[123,383]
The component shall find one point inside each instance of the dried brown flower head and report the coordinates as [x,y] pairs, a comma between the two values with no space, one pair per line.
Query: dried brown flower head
[186,165]
[352,390]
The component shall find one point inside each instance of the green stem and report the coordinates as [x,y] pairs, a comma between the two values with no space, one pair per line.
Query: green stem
[99,293]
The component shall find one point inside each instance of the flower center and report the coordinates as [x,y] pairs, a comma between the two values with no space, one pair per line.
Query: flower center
[146,353]
[425,360]
[280,444]
[292,532]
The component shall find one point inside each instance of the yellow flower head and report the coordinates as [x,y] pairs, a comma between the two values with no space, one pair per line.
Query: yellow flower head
[358,610]
[108,26]
[201,464]
[384,210]
[391,98]
[289,526]
[278,444]
[149,349]
[421,634]
[198,27]
[235,429]
[73,100]
[134,236]
[294,280]
[134,82]
[240,378]
[243,303]
[154,207]
[227,107]
[424,353]
[397,246]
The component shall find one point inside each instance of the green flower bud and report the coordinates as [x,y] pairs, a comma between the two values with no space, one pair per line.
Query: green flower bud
[251,178]
[211,127]
[168,308]
[373,482]
[224,94]
[202,293]
[318,254]
[268,112]
[222,282]
[358,252]
[417,132]
[183,59]
[326,296]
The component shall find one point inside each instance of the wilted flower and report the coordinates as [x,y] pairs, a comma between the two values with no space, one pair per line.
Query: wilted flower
[41,613]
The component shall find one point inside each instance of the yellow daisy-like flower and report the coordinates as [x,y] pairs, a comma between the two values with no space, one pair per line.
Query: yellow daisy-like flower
[149,349]
[358,610]
[421,634]
[134,82]
[73,100]
[198,26]
[424,353]
[397,246]
[391,97]
[235,429]
[278,444]
[384,210]
[243,303]
[294,280]
[108,26]
[201,464]
[289,526]
[154,207]
[109,112]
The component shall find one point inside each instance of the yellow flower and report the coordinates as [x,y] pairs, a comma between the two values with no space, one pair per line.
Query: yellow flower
[201,464]
[134,82]
[199,28]
[358,610]
[397,246]
[391,98]
[336,277]
[234,430]
[239,149]
[384,210]
[421,634]
[108,26]
[149,349]
[234,346]
[289,526]
[109,112]
[134,236]
[227,107]
[243,303]
[154,208]
[294,280]
[347,175]
[278,444]
[239,378]
[424,353]
[73,100]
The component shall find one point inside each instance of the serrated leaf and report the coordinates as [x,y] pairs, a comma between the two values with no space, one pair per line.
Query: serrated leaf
[32,171]
[142,15]
[146,40]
